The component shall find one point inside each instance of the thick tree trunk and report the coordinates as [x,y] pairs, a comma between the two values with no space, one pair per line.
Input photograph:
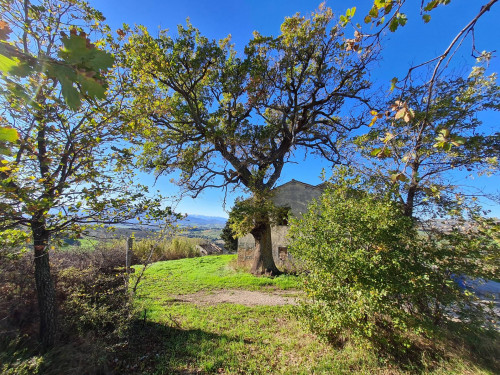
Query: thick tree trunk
[44,287]
[263,262]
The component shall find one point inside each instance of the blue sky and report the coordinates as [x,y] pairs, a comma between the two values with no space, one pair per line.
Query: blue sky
[410,45]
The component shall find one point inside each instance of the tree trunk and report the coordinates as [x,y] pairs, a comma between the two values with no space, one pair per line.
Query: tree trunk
[44,287]
[263,262]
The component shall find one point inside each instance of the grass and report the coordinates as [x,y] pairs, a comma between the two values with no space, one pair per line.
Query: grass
[168,336]
[185,276]
[184,338]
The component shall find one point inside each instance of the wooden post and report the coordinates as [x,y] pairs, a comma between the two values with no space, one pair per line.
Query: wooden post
[130,245]
[128,259]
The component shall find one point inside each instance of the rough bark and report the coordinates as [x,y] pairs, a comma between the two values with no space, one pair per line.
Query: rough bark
[263,263]
[44,287]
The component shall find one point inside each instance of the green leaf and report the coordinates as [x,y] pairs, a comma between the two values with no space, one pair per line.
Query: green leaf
[431,5]
[8,134]
[70,94]
[22,69]
[91,87]
[426,18]
[444,132]
[7,64]
[77,51]
[457,141]
[101,60]
[395,177]
[393,26]
[394,81]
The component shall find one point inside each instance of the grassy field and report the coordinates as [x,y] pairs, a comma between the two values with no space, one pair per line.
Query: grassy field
[175,337]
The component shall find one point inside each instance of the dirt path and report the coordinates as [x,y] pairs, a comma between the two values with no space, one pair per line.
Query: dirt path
[238,296]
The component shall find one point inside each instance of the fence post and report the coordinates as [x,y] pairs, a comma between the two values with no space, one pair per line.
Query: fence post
[128,258]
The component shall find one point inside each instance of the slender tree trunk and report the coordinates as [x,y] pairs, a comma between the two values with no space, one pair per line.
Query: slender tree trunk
[410,201]
[263,256]
[44,286]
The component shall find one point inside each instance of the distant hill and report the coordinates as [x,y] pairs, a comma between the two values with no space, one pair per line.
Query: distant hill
[202,220]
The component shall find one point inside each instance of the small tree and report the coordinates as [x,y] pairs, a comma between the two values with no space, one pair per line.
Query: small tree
[229,238]
[419,146]
[61,175]
[227,120]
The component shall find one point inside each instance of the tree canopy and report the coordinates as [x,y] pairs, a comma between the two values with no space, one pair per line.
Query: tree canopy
[223,119]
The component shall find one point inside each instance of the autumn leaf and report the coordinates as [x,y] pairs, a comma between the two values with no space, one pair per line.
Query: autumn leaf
[4,30]
[395,177]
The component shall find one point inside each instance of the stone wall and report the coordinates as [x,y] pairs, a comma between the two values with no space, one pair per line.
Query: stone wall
[296,195]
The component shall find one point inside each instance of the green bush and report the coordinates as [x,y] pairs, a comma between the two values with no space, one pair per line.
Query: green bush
[370,271]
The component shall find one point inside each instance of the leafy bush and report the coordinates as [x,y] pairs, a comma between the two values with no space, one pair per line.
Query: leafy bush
[369,270]
[95,302]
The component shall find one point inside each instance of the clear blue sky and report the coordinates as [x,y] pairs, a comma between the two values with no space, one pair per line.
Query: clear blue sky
[412,44]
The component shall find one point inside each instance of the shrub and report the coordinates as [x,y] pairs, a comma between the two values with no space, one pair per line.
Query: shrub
[94,311]
[369,270]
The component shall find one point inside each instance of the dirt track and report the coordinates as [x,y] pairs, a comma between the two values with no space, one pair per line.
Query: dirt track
[241,297]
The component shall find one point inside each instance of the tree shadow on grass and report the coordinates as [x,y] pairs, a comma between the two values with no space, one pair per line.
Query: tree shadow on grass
[164,349]
[455,340]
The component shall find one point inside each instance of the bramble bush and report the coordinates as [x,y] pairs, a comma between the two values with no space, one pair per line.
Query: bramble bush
[369,270]
[94,308]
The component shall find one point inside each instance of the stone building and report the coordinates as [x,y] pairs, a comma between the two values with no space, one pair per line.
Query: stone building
[296,196]
[209,249]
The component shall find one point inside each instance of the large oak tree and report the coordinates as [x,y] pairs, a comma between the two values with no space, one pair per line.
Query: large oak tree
[223,118]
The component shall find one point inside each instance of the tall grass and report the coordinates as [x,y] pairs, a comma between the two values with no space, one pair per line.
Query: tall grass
[166,249]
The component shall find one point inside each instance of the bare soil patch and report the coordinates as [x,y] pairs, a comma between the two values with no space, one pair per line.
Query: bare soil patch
[241,297]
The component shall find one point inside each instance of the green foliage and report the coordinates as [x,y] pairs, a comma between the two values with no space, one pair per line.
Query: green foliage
[182,336]
[56,165]
[370,272]
[96,301]
[62,176]
[13,243]
[223,118]
[390,12]
[229,238]
[8,136]
[79,65]
[247,212]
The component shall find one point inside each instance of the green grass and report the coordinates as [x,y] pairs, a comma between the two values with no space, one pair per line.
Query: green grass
[184,338]
[206,273]
[168,336]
